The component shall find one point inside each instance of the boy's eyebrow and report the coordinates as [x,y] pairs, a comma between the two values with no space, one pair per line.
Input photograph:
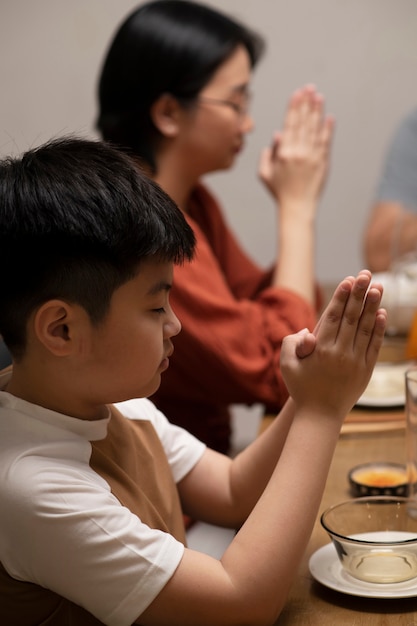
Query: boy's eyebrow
[162,285]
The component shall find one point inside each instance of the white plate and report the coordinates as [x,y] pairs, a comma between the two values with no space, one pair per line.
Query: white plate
[326,568]
[387,385]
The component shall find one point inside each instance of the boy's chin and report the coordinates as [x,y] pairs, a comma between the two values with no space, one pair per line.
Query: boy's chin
[153,390]
[150,389]
[139,392]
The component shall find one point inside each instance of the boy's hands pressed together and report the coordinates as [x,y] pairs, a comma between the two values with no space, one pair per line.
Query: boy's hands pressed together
[330,368]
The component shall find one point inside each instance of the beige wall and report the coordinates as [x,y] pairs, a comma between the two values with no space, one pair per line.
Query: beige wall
[362,54]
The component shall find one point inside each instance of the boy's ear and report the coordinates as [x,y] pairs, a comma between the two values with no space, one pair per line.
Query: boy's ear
[56,326]
[165,113]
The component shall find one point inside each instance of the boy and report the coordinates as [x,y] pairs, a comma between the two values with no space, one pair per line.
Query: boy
[92,494]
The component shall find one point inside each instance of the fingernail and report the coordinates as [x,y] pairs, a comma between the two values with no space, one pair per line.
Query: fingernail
[374,295]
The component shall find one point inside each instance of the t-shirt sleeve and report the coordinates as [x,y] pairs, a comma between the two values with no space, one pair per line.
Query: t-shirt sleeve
[182,449]
[79,542]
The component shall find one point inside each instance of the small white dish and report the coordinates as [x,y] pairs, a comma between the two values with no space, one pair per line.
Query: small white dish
[325,567]
[387,385]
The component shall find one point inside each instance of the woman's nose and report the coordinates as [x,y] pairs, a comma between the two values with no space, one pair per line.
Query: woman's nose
[247,124]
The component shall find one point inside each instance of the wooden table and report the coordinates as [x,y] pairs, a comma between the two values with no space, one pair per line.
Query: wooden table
[369,435]
[312,604]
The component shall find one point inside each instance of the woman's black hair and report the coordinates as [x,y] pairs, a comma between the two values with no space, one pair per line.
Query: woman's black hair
[164,46]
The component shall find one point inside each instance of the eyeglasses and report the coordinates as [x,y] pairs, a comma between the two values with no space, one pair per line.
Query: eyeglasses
[240,108]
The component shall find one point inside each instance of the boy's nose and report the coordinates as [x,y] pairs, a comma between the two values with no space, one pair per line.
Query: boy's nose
[174,325]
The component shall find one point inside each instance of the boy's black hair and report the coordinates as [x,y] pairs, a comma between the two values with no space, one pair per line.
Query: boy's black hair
[77,217]
[165,46]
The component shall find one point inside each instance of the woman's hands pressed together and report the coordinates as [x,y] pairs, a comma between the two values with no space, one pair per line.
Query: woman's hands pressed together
[295,166]
[294,169]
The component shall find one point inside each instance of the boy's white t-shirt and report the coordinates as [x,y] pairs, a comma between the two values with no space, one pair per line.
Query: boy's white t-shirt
[63,529]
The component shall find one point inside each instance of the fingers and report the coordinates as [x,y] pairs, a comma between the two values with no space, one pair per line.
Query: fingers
[276,141]
[327,328]
[304,123]
[295,347]
[326,134]
[377,338]
[353,317]
[310,116]
[295,166]
[306,343]
[360,311]
[330,368]
[372,324]
[264,164]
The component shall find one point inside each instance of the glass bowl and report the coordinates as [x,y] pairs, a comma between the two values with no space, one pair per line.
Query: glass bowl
[375,537]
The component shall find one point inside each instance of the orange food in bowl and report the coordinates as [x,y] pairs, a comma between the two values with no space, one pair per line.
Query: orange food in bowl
[372,479]
[381,477]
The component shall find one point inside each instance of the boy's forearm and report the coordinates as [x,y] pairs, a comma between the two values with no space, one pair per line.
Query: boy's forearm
[273,539]
[251,581]
[231,488]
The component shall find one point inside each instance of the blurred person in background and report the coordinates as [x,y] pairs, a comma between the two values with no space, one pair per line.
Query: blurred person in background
[391,231]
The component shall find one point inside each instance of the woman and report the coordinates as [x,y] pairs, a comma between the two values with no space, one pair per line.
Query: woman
[175,91]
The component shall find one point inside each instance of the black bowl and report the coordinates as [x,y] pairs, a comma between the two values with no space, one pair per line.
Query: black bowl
[379,479]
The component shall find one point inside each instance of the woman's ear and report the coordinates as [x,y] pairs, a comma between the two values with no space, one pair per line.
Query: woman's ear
[56,326]
[165,113]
